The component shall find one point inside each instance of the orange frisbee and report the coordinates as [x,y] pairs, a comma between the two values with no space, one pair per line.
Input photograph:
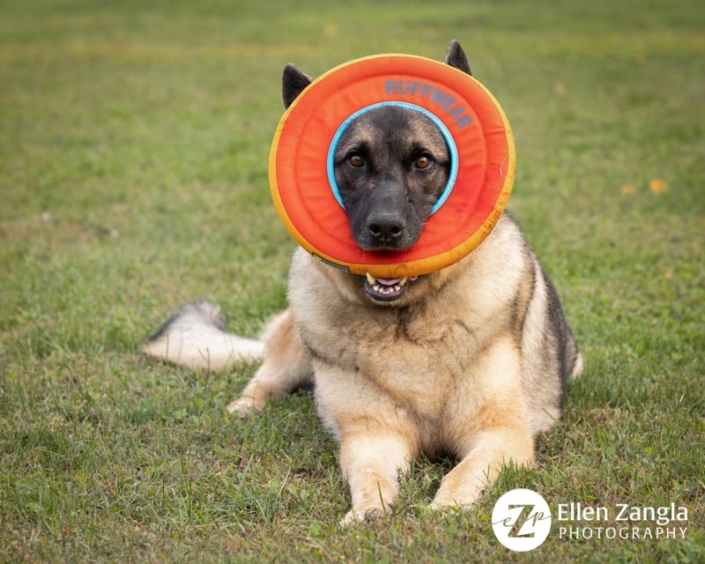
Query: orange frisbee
[473,124]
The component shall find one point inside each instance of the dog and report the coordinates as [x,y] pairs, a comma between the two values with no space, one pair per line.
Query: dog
[471,360]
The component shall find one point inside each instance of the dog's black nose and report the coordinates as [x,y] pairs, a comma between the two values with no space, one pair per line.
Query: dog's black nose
[386,228]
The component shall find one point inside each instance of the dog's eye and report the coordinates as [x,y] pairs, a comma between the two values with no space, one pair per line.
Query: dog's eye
[356,161]
[423,162]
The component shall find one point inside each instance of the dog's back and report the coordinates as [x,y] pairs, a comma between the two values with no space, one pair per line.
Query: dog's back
[550,354]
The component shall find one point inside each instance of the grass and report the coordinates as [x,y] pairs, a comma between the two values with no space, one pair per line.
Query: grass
[133,148]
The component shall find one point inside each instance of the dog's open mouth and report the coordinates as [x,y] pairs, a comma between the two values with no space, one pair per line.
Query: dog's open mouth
[386,289]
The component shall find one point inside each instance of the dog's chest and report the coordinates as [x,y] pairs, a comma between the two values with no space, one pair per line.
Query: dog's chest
[414,359]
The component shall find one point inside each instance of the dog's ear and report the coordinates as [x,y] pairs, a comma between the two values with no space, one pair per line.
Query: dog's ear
[455,57]
[293,83]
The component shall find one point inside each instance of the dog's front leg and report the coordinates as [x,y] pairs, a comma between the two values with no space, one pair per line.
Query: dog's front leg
[286,366]
[480,467]
[488,433]
[371,460]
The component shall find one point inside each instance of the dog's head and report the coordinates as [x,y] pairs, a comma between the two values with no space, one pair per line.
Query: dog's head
[391,165]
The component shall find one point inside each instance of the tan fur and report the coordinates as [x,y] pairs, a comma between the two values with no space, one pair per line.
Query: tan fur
[470,360]
[458,365]
[285,368]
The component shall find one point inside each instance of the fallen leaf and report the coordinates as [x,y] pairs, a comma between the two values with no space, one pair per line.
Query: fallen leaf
[658,186]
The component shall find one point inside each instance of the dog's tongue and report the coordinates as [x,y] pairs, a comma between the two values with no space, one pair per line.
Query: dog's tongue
[388,281]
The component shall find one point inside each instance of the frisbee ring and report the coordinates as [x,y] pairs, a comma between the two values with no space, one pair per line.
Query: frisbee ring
[476,131]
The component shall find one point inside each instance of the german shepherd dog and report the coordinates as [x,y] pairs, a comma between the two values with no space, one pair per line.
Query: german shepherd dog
[471,360]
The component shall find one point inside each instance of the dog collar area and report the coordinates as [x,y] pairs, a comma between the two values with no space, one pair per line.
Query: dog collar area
[475,129]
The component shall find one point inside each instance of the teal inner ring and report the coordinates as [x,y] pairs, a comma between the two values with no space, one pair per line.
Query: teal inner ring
[450,142]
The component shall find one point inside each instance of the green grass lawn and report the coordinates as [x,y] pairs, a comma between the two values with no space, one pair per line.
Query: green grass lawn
[134,140]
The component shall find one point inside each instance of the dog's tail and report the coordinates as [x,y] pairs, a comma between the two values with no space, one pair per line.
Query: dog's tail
[196,336]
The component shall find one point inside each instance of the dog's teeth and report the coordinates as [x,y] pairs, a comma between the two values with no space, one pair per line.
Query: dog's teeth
[387,286]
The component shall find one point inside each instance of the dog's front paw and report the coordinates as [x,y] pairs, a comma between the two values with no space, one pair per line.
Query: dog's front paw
[446,507]
[362,513]
[243,406]
[452,499]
